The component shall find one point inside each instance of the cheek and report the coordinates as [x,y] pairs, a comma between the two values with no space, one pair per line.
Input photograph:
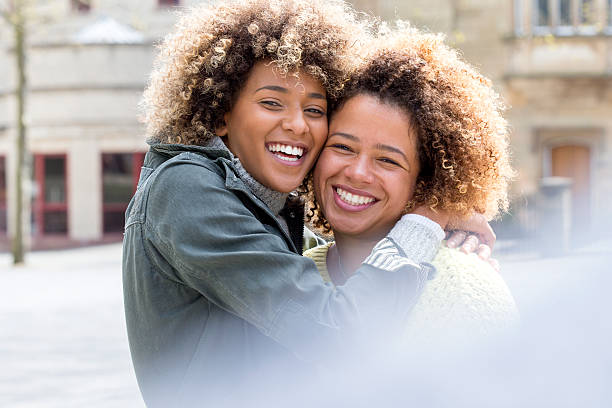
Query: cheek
[319,134]
[316,180]
[406,186]
[321,173]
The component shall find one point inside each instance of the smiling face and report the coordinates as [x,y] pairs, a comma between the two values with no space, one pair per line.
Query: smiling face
[277,126]
[367,171]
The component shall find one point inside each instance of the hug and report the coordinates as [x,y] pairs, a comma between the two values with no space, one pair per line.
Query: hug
[218,296]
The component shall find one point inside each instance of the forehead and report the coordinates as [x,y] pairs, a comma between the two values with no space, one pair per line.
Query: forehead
[267,73]
[374,122]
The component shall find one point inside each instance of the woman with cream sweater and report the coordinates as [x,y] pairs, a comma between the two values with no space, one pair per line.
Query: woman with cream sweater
[418,131]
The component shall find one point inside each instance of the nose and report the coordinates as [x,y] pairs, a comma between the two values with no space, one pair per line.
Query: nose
[295,122]
[360,170]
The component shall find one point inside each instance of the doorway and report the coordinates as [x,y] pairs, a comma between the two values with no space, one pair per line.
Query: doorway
[574,162]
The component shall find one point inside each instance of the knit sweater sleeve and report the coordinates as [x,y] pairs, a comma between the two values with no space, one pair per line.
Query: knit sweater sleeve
[319,255]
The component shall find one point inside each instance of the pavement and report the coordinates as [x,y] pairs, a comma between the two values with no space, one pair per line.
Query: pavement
[63,340]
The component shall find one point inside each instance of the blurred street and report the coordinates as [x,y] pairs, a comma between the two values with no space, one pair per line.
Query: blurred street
[63,341]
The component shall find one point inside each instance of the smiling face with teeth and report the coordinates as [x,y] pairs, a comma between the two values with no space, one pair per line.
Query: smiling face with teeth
[277,126]
[367,171]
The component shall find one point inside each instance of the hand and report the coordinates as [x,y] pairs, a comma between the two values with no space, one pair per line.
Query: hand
[468,243]
[476,224]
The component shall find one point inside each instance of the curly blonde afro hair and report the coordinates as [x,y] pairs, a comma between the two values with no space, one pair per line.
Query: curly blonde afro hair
[462,138]
[203,65]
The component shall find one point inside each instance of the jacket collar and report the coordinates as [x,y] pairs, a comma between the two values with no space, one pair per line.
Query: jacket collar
[232,181]
[172,150]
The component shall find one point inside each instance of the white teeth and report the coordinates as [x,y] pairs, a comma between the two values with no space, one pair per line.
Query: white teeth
[290,150]
[353,199]
[288,159]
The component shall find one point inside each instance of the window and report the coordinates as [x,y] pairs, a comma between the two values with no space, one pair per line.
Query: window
[168,3]
[564,24]
[120,172]
[50,195]
[541,16]
[3,195]
[565,13]
[586,12]
[566,17]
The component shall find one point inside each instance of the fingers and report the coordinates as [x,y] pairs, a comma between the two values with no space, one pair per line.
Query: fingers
[494,263]
[456,239]
[477,224]
[488,235]
[470,244]
[484,252]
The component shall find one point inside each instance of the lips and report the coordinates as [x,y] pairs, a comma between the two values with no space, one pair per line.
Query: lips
[285,152]
[353,200]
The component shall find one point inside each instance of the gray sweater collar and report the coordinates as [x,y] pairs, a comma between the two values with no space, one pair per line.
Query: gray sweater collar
[275,200]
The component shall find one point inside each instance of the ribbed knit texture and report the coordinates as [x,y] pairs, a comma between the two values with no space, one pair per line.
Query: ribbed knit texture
[466,300]
[417,236]
[319,255]
[275,200]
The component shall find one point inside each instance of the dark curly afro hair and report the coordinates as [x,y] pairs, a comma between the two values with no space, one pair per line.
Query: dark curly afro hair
[462,137]
[203,65]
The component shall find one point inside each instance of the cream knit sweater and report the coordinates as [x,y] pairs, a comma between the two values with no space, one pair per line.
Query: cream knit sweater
[464,301]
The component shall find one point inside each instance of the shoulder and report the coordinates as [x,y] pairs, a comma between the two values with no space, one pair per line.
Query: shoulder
[468,288]
[190,168]
[469,276]
[466,301]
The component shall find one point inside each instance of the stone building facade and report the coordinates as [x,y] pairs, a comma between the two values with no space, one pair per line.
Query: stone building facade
[551,60]
[87,65]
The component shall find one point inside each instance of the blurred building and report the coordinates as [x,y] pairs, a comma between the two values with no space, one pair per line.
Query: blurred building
[88,62]
[551,60]
[87,65]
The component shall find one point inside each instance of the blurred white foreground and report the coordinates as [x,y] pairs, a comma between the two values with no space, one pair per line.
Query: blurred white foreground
[63,342]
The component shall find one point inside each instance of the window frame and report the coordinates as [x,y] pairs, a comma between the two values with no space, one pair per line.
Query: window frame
[137,162]
[39,205]
[4,202]
[581,24]
[536,28]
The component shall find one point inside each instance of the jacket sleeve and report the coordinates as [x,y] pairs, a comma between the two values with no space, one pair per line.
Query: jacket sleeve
[217,247]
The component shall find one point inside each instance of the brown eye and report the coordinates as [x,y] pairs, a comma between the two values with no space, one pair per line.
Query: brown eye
[271,104]
[387,160]
[340,146]
[315,111]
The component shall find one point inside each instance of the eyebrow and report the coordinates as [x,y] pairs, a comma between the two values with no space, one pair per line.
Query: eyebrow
[392,149]
[281,89]
[378,146]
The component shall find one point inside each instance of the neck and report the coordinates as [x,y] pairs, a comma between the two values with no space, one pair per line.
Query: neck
[351,251]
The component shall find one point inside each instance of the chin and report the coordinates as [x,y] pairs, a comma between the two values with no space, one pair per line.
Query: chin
[347,229]
[285,187]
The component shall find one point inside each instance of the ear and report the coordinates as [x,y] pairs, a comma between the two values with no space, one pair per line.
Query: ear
[221,130]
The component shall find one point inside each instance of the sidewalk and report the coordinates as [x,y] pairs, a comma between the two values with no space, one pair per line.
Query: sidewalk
[63,340]
[64,344]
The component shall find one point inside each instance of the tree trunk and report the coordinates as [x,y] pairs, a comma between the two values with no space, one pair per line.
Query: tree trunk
[18,247]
